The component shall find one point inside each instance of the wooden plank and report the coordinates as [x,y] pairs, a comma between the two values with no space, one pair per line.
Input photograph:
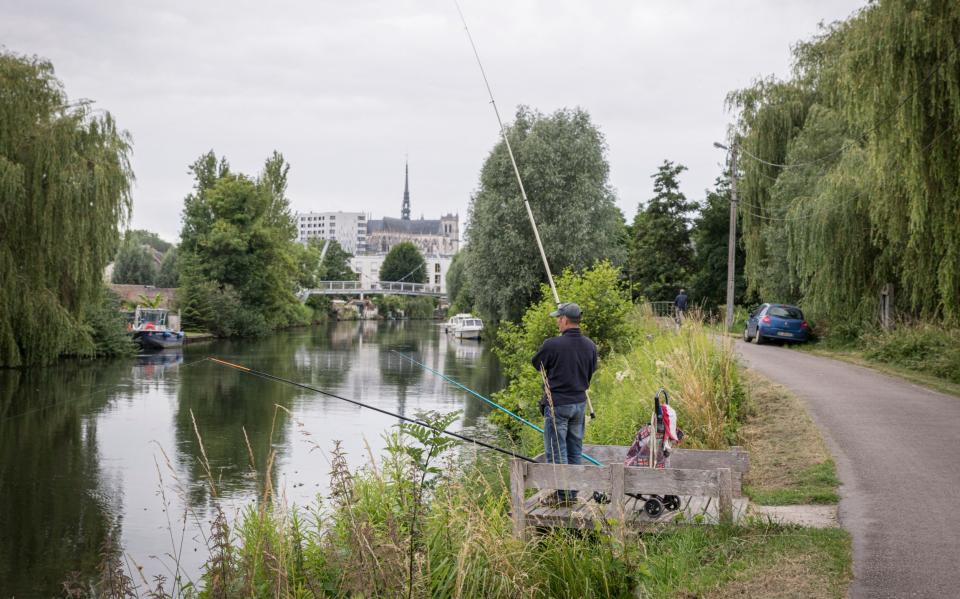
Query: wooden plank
[617,507]
[736,458]
[518,470]
[708,459]
[725,482]
[670,481]
[566,476]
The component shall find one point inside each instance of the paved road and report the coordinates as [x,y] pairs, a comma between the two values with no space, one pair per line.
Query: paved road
[897,449]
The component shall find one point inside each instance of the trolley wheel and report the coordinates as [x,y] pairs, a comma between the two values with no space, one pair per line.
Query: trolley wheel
[671,502]
[653,507]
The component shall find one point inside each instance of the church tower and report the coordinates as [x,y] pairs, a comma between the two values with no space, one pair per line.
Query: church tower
[405,211]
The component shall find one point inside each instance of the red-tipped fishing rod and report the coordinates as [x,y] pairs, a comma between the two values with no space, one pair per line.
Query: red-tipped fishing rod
[273,377]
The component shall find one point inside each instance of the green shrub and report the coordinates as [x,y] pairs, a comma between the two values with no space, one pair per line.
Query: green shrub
[220,311]
[605,306]
[107,326]
[922,347]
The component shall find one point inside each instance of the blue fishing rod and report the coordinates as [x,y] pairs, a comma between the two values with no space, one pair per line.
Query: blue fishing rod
[486,400]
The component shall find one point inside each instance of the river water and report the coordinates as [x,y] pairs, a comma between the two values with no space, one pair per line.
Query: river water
[89,450]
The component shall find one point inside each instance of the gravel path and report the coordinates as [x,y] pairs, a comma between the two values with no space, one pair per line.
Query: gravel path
[897,449]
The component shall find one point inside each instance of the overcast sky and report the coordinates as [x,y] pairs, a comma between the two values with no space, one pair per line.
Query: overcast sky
[346,89]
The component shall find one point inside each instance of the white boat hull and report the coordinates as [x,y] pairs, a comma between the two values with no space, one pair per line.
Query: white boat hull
[468,333]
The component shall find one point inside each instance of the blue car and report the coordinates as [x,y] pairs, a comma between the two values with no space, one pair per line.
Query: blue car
[776,321]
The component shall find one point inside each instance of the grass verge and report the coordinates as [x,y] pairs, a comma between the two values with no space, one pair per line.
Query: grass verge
[789,462]
[859,358]
[759,560]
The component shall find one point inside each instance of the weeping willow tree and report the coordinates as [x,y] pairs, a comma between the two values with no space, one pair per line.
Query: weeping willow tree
[869,131]
[64,191]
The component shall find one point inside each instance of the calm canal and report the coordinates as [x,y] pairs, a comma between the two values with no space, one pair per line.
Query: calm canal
[86,449]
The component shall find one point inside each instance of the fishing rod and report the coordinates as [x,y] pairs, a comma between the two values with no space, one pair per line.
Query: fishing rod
[273,377]
[513,161]
[484,399]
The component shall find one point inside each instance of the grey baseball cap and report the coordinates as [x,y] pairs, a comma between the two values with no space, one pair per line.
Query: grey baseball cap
[570,310]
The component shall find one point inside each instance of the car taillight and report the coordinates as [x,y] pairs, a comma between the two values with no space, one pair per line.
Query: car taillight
[766,319]
[804,325]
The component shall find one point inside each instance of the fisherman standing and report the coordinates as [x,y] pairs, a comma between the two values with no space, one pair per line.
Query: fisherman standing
[567,363]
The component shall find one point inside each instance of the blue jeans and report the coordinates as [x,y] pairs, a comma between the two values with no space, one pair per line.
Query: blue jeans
[563,437]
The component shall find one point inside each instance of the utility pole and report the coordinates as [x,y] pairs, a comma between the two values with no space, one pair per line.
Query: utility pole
[732,240]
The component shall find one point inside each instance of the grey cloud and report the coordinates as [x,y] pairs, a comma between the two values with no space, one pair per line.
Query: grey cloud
[345,89]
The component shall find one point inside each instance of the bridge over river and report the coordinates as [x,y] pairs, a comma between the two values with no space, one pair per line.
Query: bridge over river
[374,288]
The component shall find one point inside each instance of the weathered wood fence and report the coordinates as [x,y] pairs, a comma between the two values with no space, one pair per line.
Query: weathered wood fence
[693,473]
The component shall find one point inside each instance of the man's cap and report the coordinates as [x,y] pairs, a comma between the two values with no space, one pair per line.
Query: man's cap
[570,310]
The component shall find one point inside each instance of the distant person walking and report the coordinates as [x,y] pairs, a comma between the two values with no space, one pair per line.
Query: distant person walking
[567,363]
[680,305]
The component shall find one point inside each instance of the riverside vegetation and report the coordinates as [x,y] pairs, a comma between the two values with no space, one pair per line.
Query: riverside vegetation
[425,520]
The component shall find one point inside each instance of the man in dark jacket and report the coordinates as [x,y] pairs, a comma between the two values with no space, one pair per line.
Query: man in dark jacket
[567,363]
[680,303]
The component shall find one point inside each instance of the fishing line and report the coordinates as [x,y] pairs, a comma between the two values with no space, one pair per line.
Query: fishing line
[268,376]
[513,161]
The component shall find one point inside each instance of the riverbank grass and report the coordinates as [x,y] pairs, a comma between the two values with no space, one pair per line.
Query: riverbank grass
[789,462]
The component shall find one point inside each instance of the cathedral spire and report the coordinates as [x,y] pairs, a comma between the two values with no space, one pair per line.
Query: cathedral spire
[405,211]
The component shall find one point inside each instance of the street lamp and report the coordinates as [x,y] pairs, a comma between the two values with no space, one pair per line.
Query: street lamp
[732,236]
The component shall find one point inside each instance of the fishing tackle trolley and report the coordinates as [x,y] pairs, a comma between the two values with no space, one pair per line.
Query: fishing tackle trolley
[708,484]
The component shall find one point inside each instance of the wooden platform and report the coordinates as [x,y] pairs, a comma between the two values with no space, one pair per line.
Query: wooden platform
[707,482]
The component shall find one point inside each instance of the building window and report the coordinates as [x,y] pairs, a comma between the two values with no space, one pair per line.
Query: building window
[436,279]
[436,267]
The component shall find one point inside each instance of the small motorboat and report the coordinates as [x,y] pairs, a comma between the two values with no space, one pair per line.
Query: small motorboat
[451,325]
[150,329]
[468,328]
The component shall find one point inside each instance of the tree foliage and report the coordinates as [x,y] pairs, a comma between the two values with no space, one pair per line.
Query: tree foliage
[711,230]
[237,253]
[459,292]
[661,255]
[144,237]
[869,127]
[64,191]
[134,264]
[169,275]
[562,161]
[336,263]
[404,262]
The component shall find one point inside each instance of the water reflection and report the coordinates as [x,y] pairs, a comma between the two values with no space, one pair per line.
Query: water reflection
[80,443]
[56,503]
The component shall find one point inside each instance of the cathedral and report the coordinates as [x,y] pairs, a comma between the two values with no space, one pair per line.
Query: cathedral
[433,237]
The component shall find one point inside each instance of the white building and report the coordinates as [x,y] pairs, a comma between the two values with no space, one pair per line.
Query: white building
[368,267]
[348,228]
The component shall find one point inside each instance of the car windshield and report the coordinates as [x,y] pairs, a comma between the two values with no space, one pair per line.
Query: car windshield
[785,312]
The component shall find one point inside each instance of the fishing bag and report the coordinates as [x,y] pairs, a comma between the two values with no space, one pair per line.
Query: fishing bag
[639,452]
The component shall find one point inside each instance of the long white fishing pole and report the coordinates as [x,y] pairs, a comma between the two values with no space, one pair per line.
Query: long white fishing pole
[516,171]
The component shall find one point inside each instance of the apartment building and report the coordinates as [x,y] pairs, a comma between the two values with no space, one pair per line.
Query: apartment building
[348,228]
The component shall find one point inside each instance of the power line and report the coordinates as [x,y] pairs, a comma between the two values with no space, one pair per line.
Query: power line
[818,209]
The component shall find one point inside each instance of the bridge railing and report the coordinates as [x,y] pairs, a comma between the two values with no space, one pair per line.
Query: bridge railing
[338,285]
[356,287]
[404,286]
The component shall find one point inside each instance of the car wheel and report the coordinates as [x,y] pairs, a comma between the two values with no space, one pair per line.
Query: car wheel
[758,338]
[746,335]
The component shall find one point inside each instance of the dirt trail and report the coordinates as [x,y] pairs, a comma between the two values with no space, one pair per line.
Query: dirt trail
[897,449]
